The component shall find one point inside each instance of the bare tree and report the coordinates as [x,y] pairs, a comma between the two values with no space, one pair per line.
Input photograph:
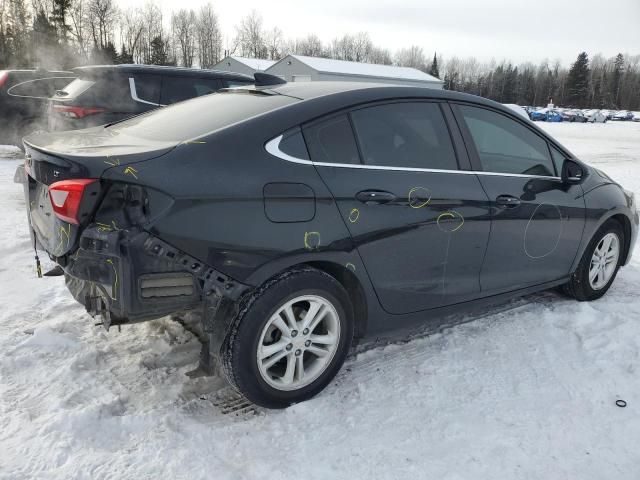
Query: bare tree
[250,36]
[183,24]
[101,15]
[131,30]
[209,36]
[413,57]
[274,42]
[151,19]
[311,46]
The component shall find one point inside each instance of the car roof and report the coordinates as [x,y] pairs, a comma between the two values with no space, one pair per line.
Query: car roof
[372,91]
[161,69]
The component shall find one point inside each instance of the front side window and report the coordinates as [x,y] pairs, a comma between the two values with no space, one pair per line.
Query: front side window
[331,141]
[507,146]
[406,134]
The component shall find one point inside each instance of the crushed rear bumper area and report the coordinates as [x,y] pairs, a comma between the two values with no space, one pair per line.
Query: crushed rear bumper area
[128,276]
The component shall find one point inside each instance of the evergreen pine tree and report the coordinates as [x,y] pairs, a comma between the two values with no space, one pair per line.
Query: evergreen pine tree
[577,86]
[125,57]
[434,70]
[618,69]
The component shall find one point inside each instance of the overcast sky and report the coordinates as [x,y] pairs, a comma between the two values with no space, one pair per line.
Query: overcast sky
[518,30]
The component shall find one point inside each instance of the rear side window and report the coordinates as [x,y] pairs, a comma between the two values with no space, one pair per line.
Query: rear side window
[186,120]
[178,89]
[507,146]
[292,143]
[407,134]
[147,87]
[332,141]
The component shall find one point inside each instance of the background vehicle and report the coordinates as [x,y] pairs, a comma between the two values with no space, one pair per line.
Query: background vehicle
[596,116]
[539,115]
[304,215]
[572,116]
[24,97]
[623,116]
[109,93]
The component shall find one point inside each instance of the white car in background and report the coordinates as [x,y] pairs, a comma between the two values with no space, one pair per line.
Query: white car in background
[636,117]
[596,116]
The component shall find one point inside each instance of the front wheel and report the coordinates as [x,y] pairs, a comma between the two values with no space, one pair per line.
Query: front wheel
[289,338]
[599,264]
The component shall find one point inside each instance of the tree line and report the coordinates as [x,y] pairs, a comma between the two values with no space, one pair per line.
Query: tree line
[61,34]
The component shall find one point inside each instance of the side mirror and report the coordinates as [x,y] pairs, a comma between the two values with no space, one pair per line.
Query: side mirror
[572,172]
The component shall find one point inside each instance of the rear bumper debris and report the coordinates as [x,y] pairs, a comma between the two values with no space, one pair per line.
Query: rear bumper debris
[127,276]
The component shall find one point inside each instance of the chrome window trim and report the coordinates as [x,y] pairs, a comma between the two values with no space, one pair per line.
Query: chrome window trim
[273,147]
[134,94]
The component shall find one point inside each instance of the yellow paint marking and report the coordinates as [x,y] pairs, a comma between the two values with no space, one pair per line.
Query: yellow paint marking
[351,266]
[131,171]
[418,202]
[115,163]
[114,288]
[354,215]
[450,215]
[311,240]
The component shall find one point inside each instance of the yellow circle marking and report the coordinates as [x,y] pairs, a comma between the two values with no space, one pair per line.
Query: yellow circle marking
[354,215]
[420,203]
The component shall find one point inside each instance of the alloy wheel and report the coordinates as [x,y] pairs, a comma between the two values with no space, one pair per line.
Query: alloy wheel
[604,261]
[298,342]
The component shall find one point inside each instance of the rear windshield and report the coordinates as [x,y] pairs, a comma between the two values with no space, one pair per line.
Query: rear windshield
[199,116]
[75,88]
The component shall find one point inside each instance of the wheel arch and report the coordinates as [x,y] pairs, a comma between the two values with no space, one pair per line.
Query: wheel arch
[626,228]
[351,283]
[358,289]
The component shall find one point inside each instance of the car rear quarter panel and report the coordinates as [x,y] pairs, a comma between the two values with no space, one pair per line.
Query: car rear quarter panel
[219,216]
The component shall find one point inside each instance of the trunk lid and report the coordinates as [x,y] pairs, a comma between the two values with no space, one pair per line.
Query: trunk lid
[83,154]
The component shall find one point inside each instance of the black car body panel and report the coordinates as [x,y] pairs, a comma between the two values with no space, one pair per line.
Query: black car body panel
[217,203]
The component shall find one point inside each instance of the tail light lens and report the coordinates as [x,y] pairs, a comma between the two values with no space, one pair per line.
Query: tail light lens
[66,197]
[4,75]
[76,112]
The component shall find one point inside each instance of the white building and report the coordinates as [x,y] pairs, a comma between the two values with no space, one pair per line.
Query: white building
[298,68]
[248,66]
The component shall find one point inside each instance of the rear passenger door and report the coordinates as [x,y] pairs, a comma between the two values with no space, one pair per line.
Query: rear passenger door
[537,221]
[419,221]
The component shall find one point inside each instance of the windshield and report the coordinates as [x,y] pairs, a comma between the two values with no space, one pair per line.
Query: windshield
[199,116]
[75,88]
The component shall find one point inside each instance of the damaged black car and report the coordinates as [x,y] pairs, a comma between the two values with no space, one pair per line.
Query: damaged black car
[303,217]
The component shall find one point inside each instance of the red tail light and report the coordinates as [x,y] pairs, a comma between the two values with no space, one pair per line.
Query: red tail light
[4,75]
[76,112]
[66,197]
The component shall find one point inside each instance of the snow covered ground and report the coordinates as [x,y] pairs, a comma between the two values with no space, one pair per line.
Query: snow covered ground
[527,391]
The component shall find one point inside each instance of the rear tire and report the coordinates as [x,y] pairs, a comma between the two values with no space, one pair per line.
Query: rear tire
[272,355]
[599,264]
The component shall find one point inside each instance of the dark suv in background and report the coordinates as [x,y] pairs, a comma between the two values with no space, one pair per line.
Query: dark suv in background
[24,98]
[109,93]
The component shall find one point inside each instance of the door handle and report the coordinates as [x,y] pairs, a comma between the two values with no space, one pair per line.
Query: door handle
[375,196]
[507,201]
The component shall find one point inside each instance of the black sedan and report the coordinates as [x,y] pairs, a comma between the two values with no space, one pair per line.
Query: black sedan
[301,217]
